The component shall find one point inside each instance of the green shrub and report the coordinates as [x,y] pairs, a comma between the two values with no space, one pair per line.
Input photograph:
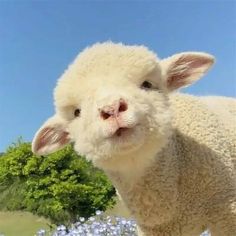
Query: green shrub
[62,186]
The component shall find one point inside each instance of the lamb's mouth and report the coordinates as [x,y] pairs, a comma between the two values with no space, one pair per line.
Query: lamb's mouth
[124,133]
[121,131]
[126,140]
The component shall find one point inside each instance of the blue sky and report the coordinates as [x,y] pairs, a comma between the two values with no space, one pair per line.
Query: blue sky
[38,39]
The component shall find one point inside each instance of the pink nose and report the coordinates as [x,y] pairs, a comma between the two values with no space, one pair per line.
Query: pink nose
[113,110]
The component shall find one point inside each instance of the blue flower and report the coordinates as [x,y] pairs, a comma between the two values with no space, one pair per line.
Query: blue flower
[98,225]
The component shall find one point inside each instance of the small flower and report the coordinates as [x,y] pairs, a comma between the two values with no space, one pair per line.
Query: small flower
[98,213]
[61,227]
[41,232]
[91,219]
[82,219]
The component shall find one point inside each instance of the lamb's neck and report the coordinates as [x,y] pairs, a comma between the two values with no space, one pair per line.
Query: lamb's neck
[162,163]
[156,189]
[131,168]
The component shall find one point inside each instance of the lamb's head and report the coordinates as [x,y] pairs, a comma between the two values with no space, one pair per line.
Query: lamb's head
[112,102]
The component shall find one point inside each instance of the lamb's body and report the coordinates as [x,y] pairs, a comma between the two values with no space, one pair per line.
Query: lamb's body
[190,180]
[172,157]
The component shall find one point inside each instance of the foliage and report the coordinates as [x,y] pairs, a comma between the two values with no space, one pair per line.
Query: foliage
[61,186]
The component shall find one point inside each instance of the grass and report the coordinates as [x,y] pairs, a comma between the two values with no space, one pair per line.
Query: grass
[27,224]
[21,223]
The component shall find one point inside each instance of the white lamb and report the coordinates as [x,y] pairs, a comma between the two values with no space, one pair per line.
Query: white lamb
[171,156]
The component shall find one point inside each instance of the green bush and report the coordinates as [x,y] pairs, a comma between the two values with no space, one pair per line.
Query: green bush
[62,186]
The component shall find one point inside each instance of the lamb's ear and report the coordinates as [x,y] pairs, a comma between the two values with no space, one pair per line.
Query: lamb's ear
[51,137]
[183,69]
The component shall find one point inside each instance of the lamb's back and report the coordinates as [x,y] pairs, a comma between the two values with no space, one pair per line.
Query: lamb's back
[210,121]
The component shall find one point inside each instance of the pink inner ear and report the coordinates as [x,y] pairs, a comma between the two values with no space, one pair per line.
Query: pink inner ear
[177,80]
[196,61]
[183,68]
[192,61]
[50,136]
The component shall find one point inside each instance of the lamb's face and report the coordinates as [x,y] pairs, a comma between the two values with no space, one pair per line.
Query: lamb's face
[112,102]
[118,106]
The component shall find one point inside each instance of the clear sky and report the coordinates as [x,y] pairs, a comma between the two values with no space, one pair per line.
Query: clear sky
[38,39]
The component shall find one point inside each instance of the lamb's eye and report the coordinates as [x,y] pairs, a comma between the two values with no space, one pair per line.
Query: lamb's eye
[146,85]
[77,112]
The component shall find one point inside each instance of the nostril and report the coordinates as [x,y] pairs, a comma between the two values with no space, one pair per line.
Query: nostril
[105,115]
[113,110]
[123,106]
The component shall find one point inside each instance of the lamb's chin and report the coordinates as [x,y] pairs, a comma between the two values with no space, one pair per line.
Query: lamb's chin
[118,154]
[126,147]
[121,145]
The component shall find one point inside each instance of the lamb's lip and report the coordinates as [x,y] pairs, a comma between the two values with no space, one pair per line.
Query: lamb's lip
[118,132]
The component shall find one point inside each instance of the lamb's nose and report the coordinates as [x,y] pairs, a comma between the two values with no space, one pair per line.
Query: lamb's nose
[113,110]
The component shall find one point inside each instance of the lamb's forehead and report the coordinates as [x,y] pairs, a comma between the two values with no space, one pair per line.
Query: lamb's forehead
[105,61]
[110,58]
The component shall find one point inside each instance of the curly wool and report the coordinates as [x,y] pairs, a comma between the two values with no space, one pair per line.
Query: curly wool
[191,185]
[171,156]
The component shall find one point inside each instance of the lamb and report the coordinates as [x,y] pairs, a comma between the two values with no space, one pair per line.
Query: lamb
[171,156]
